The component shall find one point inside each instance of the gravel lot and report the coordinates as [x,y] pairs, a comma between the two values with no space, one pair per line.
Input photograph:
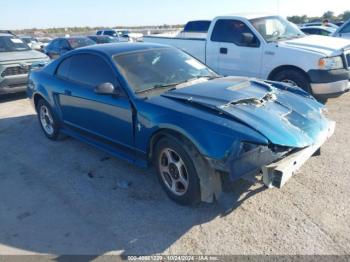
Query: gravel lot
[69,198]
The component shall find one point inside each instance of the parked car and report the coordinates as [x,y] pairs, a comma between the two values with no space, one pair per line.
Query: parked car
[44,42]
[32,42]
[320,24]
[271,48]
[343,31]
[318,30]
[62,45]
[16,59]
[103,39]
[122,35]
[149,103]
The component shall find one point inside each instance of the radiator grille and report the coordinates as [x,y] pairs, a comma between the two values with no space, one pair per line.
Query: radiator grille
[15,70]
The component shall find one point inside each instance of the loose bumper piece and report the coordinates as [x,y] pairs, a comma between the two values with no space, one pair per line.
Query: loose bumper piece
[277,174]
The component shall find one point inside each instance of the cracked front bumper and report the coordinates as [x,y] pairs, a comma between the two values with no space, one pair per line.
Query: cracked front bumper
[277,174]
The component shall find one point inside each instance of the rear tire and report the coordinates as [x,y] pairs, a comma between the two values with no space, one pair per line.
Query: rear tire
[293,77]
[47,120]
[177,173]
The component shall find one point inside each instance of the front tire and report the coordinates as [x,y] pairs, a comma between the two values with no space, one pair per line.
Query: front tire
[174,161]
[47,120]
[293,77]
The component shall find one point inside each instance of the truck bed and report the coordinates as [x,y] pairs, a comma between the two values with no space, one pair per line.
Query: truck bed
[193,46]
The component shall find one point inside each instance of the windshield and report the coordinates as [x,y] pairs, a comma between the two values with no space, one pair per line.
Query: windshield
[80,42]
[12,44]
[160,68]
[274,28]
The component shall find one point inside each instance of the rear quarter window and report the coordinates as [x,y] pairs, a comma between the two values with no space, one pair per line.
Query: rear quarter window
[63,69]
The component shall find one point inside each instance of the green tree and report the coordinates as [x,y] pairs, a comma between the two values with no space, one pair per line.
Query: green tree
[345,16]
[328,15]
[297,19]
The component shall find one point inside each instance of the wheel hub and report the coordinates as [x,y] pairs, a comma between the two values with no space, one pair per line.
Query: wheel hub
[173,170]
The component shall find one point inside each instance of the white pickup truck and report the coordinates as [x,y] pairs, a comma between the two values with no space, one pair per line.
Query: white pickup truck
[270,47]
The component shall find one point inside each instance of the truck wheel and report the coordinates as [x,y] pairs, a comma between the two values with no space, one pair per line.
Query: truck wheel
[47,120]
[293,77]
[176,170]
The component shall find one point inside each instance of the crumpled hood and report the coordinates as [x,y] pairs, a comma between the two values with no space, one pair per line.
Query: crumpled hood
[325,45]
[21,55]
[285,118]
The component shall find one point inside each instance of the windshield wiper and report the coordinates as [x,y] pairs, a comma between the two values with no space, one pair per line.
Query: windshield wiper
[175,84]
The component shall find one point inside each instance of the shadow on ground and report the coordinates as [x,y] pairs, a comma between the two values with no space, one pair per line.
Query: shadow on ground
[12,96]
[63,198]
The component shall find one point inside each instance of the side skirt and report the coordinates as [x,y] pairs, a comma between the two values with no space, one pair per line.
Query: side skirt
[132,156]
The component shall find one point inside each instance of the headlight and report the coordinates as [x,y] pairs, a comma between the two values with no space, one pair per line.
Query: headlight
[328,63]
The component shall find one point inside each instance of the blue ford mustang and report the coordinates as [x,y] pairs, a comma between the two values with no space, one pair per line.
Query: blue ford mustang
[150,103]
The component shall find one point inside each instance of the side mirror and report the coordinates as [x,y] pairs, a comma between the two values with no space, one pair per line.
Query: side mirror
[248,40]
[106,89]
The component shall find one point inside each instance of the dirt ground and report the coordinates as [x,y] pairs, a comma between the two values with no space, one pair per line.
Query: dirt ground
[69,198]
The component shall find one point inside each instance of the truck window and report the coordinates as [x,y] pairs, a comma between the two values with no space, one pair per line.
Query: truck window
[197,26]
[232,31]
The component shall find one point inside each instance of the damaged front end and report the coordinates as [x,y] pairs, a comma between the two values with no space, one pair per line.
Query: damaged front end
[276,163]
[248,159]
[291,120]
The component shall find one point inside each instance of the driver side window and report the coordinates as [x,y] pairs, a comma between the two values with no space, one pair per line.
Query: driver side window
[88,70]
[234,31]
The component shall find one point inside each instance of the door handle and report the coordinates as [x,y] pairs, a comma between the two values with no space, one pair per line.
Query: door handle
[223,50]
[67,92]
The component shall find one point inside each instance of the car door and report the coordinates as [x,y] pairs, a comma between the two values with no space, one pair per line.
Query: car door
[235,55]
[105,118]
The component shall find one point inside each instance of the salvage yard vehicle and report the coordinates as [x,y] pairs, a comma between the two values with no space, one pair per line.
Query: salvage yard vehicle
[16,59]
[62,45]
[149,103]
[270,47]
[103,39]
[122,35]
[318,30]
[32,42]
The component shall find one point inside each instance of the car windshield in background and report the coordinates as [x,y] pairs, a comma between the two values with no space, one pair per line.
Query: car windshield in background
[160,68]
[274,28]
[80,42]
[12,44]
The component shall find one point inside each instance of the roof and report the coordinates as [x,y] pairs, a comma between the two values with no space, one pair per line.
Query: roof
[249,15]
[5,34]
[119,48]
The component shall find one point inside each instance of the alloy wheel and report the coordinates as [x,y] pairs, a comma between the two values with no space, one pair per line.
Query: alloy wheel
[173,171]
